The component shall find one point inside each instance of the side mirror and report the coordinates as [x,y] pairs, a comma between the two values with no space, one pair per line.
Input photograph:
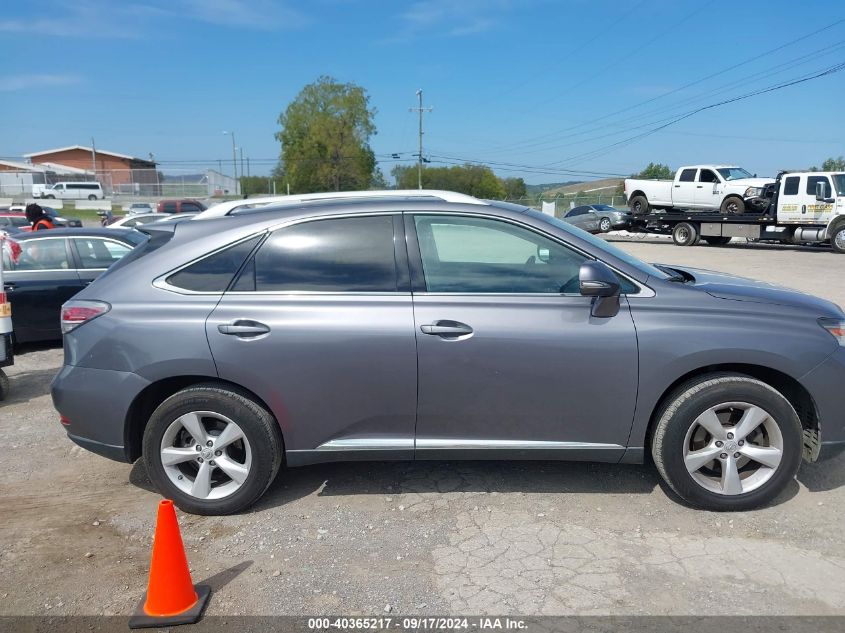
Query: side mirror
[597,280]
[821,192]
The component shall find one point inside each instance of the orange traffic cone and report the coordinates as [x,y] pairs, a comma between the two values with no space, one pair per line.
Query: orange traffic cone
[171,597]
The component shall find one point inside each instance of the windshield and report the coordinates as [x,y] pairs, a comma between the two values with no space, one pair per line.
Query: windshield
[604,207]
[839,183]
[734,173]
[600,244]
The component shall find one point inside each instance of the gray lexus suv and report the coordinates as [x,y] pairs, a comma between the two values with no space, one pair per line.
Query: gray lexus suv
[439,326]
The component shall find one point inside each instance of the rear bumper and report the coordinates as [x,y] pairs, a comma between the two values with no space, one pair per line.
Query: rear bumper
[95,402]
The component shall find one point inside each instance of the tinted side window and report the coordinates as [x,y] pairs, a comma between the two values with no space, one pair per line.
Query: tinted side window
[99,253]
[688,175]
[338,255]
[469,255]
[190,207]
[811,184]
[214,273]
[47,254]
[169,207]
[707,175]
[790,187]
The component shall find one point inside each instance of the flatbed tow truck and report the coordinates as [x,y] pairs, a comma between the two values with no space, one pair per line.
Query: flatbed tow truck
[798,208]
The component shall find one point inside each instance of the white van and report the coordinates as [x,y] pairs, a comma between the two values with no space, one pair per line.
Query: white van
[69,191]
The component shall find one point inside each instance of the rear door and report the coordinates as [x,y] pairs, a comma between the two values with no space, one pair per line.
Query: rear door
[37,286]
[94,255]
[320,325]
[683,189]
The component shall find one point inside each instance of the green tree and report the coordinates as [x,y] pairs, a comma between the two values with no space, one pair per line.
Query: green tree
[325,136]
[514,188]
[832,164]
[655,171]
[474,180]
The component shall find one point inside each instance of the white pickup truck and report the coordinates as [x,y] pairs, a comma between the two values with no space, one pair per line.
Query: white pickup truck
[702,187]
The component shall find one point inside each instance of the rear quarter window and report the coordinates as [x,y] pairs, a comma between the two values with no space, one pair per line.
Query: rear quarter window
[214,272]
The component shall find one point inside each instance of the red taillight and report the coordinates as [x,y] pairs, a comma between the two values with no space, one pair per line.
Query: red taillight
[75,313]
[64,420]
[3,298]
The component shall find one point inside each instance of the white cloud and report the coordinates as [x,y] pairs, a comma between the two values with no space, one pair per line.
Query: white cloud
[15,83]
[453,18]
[114,20]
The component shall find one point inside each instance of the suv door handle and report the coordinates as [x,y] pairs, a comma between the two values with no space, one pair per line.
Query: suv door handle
[446,329]
[243,328]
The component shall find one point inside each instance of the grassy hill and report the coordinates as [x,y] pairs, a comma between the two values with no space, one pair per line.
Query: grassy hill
[604,186]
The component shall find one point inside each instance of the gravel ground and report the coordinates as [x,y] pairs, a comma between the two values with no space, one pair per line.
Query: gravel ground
[425,538]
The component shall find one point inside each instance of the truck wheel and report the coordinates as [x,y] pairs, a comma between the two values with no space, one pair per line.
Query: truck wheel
[837,240]
[92,197]
[4,385]
[717,241]
[639,205]
[684,234]
[727,442]
[733,206]
[50,196]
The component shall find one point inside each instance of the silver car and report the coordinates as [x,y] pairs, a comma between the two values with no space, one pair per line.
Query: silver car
[599,218]
[440,327]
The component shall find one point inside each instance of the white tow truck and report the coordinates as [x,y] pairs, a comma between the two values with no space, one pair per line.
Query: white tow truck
[801,207]
[722,188]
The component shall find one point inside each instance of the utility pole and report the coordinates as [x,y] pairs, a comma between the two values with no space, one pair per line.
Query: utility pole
[93,158]
[241,149]
[234,160]
[420,109]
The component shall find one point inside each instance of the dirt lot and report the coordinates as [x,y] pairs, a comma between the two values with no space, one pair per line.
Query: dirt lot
[459,538]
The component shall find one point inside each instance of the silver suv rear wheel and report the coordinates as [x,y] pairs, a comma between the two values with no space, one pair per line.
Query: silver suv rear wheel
[212,449]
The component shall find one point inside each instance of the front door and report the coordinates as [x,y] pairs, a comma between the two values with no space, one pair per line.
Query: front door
[708,190]
[320,326]
[37,285]
[510,361]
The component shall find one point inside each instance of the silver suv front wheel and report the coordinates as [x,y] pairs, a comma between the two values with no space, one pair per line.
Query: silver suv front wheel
[727,442]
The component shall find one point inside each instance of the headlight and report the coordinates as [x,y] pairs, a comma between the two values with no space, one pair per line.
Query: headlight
[836,327]
[753,192]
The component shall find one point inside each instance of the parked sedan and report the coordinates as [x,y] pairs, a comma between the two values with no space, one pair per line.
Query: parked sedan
[53,266]
[611,218]
[141,208]
[584,218]
[131,221]
[11,221]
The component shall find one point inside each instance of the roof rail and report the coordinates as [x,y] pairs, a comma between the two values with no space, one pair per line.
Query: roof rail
[226,208]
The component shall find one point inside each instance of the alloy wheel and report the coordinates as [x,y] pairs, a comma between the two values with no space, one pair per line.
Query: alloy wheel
[733,448]
[206,455]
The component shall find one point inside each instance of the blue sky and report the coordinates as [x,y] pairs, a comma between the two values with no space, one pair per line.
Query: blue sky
[547,90]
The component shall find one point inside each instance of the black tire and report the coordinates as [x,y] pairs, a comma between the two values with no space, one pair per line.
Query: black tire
[639,205]
[50,197]
[92,197]
[258,425]
[604,225]
[837,239]
[717,241]
[4,385]
[693,398]
[733,206]
[685,234]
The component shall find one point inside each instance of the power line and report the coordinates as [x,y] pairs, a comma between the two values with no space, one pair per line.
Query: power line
[674,90]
